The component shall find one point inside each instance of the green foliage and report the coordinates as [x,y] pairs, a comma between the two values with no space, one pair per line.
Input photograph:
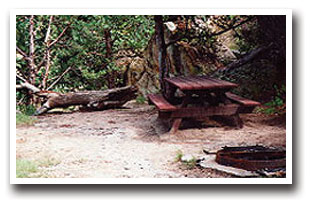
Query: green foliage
[255,80]
[246,37]
[22,119]
[24,168]
[277,104]
[179,155]
[140,99]
[90,45]
[26,109]
[83,47]
[190,164]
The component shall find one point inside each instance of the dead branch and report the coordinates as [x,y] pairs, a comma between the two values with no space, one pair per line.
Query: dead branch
[60,35]
[232,27]
[25,56]
[21,78]
[59,78]
[48,29]
[173,41]
[48,53]
[26,85]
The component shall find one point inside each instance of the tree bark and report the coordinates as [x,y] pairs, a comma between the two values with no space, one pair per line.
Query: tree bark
[31,52]
[273,30]
[162,50]
[108,43]
[93,100]
[108,55]
[48,53]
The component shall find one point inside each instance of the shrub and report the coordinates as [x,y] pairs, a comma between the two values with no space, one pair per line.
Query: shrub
[140,99]
[26,109]
[277,104]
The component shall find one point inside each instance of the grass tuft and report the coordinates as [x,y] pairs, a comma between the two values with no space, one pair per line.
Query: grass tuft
[24,168]
[22,119]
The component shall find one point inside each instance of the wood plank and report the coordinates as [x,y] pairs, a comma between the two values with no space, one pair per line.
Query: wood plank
[201,112]
[210,83]
[178,83]
[224,82]
[199,83]
[189,85]
[192,83]
[161,103]
[206,83]
[216,84]
[241,100]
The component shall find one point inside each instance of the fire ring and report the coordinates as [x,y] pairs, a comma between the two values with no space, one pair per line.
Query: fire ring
[252,157]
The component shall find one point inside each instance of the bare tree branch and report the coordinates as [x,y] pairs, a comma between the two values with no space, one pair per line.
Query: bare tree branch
[32,65]
[60,35]
[214,34]
[21,78]
[41,62]
[47,53]
[59,78]
[48,29]
[232,27]
[28,86]
[22,53]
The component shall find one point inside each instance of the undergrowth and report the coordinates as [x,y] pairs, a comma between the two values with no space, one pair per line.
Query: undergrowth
[24,168]
[23,119]
[277,105]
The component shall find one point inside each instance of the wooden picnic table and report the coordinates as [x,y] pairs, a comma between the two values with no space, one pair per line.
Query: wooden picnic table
[201,97]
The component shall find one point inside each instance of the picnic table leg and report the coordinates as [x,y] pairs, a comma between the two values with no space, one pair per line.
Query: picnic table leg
[175,125]
[237,120]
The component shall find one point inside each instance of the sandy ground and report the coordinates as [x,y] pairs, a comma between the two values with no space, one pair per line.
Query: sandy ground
[132,143]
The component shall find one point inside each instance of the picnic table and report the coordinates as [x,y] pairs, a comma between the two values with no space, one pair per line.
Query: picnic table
[201,97]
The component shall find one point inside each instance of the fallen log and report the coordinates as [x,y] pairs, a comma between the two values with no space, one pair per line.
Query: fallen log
[92,100]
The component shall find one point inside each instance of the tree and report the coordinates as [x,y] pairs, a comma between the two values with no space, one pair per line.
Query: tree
[162,50]
[66,53]
[39,49]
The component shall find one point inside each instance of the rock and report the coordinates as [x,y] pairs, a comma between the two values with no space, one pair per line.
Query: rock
[209,162]
[187,158]
[21,140]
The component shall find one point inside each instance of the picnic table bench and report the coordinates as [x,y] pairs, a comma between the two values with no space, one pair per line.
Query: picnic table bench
[202,97]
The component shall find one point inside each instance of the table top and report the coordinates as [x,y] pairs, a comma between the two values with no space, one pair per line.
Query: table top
[199,83]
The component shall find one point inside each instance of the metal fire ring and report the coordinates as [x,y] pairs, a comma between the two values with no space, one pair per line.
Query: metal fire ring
[252,157]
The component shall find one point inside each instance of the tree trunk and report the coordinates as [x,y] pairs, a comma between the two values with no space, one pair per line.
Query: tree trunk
[108,42]
[273,30]
[108,55]
[48,54]
[93,100]
[162,50]
[32,65]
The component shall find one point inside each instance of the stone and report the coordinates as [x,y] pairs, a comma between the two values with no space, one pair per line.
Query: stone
[209,162]
[187,158]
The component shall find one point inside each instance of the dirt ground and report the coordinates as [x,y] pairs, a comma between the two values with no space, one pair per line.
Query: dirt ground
[132,143]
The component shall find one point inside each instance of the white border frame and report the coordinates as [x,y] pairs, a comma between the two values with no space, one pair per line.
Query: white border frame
[147,11]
